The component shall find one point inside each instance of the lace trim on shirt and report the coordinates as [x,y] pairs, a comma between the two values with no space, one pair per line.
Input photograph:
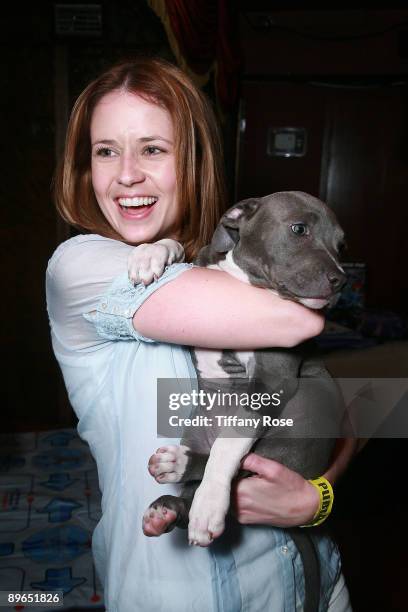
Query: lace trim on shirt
[113,315]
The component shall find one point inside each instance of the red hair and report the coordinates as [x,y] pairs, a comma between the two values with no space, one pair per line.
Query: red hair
[198,151]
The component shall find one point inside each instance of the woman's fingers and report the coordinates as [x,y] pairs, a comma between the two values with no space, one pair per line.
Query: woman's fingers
[275,496]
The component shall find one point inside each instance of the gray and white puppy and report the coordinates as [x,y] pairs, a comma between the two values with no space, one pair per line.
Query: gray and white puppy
[287,242]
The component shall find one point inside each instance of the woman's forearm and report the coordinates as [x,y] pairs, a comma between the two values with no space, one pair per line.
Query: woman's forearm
[211,309]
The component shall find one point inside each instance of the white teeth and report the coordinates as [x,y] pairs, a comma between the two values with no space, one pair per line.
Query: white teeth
[137,201]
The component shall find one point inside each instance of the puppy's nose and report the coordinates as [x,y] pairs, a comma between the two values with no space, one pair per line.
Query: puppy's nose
[337,280]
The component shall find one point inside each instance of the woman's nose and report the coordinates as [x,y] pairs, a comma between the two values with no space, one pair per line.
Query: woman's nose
[130,171]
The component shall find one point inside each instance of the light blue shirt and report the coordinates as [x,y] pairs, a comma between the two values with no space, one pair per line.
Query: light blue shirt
[110,372]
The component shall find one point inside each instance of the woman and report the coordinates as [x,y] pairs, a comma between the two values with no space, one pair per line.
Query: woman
[143,163]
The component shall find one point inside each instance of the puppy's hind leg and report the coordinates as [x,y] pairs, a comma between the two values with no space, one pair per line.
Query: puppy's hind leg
[168,511]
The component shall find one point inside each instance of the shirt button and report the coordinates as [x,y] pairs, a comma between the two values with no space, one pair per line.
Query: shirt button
[104,306]
[285,549]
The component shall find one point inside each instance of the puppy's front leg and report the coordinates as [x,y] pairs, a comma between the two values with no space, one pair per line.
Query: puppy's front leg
[212,498]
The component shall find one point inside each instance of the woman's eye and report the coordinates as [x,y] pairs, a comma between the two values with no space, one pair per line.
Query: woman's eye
[152,150]
[300,229]
[104,152]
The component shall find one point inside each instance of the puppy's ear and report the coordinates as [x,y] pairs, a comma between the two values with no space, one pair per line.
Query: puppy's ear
[226,234]
[224,239]
[240,212]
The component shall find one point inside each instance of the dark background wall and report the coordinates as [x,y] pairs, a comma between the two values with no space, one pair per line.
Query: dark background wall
[42,73]
[339,73]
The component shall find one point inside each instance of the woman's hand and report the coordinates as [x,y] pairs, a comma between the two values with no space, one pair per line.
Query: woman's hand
[274,496]
[278,496]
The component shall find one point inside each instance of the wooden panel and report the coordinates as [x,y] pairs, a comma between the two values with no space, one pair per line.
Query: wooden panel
[367,185]
[268,105]
[324,42]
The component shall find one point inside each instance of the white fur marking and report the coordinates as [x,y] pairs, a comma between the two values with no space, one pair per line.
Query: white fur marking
[335,261]
[228,265]
[207,358]
[212,498]
[169,463]
[208,366]
[235,213]
[207,363]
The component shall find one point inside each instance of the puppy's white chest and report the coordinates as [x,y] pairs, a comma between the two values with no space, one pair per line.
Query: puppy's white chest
[209,361]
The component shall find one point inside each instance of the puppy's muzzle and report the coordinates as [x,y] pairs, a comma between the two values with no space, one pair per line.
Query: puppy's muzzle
[337,281]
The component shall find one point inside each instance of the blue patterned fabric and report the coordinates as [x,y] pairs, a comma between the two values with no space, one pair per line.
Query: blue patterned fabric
[50,505]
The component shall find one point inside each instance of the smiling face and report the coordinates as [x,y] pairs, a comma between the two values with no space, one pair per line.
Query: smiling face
[133,167]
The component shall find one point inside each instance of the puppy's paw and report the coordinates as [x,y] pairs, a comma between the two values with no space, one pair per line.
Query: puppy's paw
[207,514]
[146,262]
[169,463]
[158,519]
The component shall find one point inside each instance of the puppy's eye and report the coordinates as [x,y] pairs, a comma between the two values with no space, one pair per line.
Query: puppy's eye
[300,229]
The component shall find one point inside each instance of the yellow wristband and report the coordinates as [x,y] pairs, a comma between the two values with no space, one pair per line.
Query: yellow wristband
[326,498]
